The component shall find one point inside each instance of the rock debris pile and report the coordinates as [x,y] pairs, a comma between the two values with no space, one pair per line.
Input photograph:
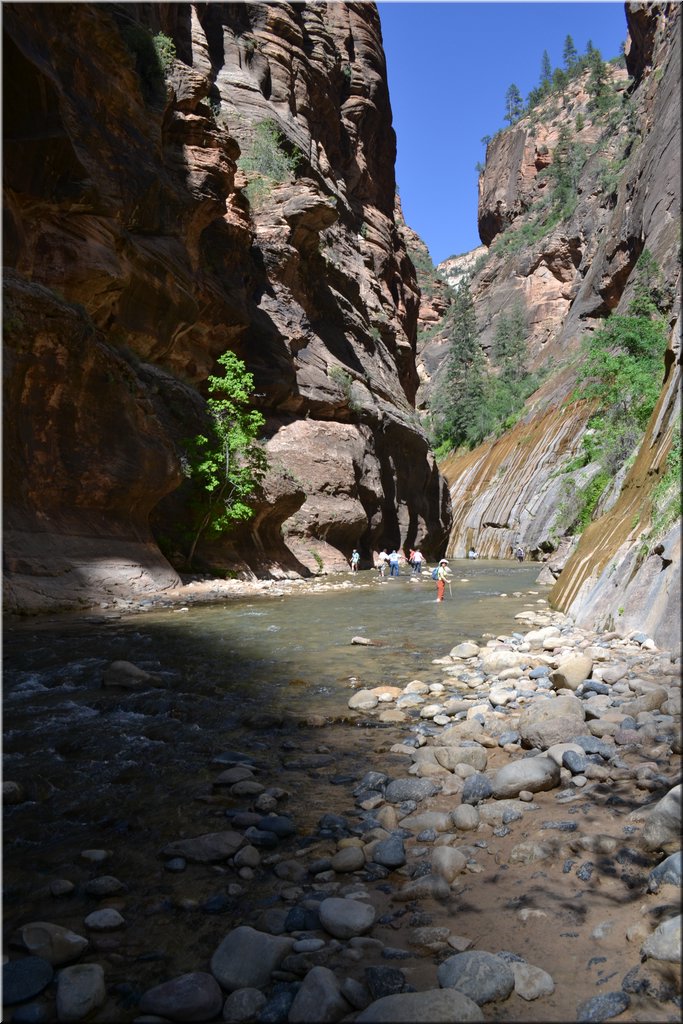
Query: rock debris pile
[517,858]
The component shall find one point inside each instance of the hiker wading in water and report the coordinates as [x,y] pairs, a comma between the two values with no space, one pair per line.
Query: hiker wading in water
[442,574]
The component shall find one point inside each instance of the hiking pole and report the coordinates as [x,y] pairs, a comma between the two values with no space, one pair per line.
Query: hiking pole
[450,588]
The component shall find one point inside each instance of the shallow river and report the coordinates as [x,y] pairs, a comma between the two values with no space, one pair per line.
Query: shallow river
[112,768]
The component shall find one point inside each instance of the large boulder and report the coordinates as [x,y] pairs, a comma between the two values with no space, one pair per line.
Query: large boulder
[246,958]
[552,720]
[534,774]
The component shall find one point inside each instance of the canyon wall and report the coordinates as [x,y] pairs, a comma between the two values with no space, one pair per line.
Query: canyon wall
[509,490]
[142,240]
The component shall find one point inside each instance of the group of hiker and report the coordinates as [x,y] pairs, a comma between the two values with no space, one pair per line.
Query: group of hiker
[391,562]
[415,560]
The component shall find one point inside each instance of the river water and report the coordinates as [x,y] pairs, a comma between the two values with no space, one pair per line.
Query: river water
[123,770]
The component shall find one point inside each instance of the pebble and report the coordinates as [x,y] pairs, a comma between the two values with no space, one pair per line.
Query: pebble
[106,920]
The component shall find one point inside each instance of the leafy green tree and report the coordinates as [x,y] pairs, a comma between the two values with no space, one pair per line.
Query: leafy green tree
[622,372]
[569,53]
[226,463]
[270,153]
[513,104]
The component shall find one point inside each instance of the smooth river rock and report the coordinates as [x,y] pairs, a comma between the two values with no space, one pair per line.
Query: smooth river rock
[207,848]
[246,958]
[80,991]
[345,918]
[434,1006]
[480,976]
[535,774]
[52,942]
[196,996]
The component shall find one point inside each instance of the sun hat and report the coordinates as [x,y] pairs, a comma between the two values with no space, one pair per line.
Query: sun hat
[444,561]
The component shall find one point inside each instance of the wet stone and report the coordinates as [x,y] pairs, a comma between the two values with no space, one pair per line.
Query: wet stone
[280,824]
[332,823]
[218,904]
[34,1013]
[477,787]
[259,837]
[243,1005]
[276,1010]
[390,853]
[384,981]
[602,1007]
[410,789]
[592,686]
[105,885]
[191,997]
[585,872]
[594,745]
[576,763]
[22,979]
[176,864]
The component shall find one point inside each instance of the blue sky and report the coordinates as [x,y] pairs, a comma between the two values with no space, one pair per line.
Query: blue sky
[449,66]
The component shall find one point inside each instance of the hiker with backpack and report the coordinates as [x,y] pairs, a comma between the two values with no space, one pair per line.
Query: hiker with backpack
[441,574]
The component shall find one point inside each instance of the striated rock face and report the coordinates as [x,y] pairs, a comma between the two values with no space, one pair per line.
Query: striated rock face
[511,490]
[140,244]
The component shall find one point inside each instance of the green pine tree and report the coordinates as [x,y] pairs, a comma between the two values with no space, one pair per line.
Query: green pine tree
[459,396]
[569,53]
[510,342]
[513,104]
[597,85]
[546,74]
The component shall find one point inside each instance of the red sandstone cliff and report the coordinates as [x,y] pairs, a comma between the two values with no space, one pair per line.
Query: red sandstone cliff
[137,251]
[509,490]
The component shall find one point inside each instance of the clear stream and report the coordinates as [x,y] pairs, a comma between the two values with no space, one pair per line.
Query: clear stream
[130,771]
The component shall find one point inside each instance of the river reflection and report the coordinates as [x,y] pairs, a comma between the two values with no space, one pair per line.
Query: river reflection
[99,763]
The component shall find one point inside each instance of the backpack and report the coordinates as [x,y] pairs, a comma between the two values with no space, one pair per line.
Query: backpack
[435,573]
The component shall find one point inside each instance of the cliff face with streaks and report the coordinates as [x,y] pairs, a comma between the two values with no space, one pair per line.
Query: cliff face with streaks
[623,571]
[142,242]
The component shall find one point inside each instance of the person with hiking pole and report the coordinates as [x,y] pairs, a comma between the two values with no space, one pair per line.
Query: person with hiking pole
[442,573]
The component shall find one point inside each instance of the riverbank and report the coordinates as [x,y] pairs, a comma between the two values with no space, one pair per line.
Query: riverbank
[493,846]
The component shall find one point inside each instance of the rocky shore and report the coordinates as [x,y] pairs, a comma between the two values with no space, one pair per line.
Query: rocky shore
[506,848]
